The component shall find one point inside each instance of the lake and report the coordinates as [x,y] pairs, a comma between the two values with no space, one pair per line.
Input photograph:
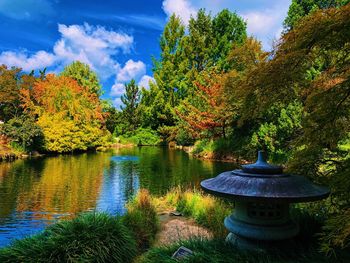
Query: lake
[36,192]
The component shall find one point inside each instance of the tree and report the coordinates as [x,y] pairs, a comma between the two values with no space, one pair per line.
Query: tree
[170,70]
[11,81]
[200,41]
[24,131]
[58,94]
[84,76]
[229,30]
[319,150]
[131,100]
[301,8]
[210,117]
[154,108]
[69,115]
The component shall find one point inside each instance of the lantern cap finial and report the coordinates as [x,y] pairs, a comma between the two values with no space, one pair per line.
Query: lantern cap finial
[262,166]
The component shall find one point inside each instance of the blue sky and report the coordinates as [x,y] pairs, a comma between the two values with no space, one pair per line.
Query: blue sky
[116,38]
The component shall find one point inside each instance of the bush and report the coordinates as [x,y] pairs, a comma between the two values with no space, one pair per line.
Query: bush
[87,238]
[184,138]
[142,220]
[141,137]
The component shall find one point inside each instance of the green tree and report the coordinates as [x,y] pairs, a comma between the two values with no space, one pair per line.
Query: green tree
[169,70]
[229,29]
[85,77]
[155,110]
[24,131]
[131,100]
[200,41]
[301,8]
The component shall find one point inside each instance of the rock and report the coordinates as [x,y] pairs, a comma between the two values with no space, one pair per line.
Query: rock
[175,213]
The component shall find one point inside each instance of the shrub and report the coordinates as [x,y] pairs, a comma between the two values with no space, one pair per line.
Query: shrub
[141,137]
[87,238]
[142,219]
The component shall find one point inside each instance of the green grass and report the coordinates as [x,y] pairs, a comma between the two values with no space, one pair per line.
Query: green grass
[216,147]
[206,210]
[91,237]
[218,251]
[87,238]
[142,219]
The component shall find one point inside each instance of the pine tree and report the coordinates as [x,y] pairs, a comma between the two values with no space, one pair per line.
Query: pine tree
[131,100]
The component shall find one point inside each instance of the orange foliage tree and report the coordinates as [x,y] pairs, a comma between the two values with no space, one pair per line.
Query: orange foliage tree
[207,115]
[70,116]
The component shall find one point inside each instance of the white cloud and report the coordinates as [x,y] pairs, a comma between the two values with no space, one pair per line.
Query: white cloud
[145,80]
[182,8]
[131,70]
[27,62]
[117,89]
[93,45]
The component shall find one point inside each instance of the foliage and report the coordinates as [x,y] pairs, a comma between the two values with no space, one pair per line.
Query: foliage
[210,116]
[275,136]
[61,95]
[142,219]
[24,131]
[322,36]
[84,76]
[141,137]
[65,135]
[131,100]
[229,30]
[11,81]
[87,238]
[301,8]
[70,117]
[185,54]
[155,110]
[218,250]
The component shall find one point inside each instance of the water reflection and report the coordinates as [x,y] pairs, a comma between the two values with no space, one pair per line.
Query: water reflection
[36,192]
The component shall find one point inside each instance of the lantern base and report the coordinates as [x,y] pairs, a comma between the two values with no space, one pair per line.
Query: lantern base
[260,231]
[256,245]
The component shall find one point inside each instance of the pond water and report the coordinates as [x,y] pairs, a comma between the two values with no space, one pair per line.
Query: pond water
[36,192]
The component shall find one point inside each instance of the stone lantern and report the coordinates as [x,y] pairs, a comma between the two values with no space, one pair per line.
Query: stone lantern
[262,194]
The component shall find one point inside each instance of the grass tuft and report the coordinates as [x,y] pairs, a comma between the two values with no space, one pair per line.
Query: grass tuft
[142,219]
[87,238]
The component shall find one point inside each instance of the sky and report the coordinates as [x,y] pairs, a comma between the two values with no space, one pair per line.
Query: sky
[116,38]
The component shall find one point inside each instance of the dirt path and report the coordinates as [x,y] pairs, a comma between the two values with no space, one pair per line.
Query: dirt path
[175,228]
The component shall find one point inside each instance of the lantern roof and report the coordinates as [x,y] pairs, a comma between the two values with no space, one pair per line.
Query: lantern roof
[265,182]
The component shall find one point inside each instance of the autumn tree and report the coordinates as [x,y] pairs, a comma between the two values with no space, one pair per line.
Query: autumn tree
[320,150]
[69,115]
[11,82]
[209,118]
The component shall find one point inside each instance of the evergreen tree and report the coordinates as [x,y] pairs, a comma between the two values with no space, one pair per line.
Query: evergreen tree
[131,100]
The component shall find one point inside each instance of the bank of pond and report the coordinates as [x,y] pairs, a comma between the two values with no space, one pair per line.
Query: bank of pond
[101,237]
